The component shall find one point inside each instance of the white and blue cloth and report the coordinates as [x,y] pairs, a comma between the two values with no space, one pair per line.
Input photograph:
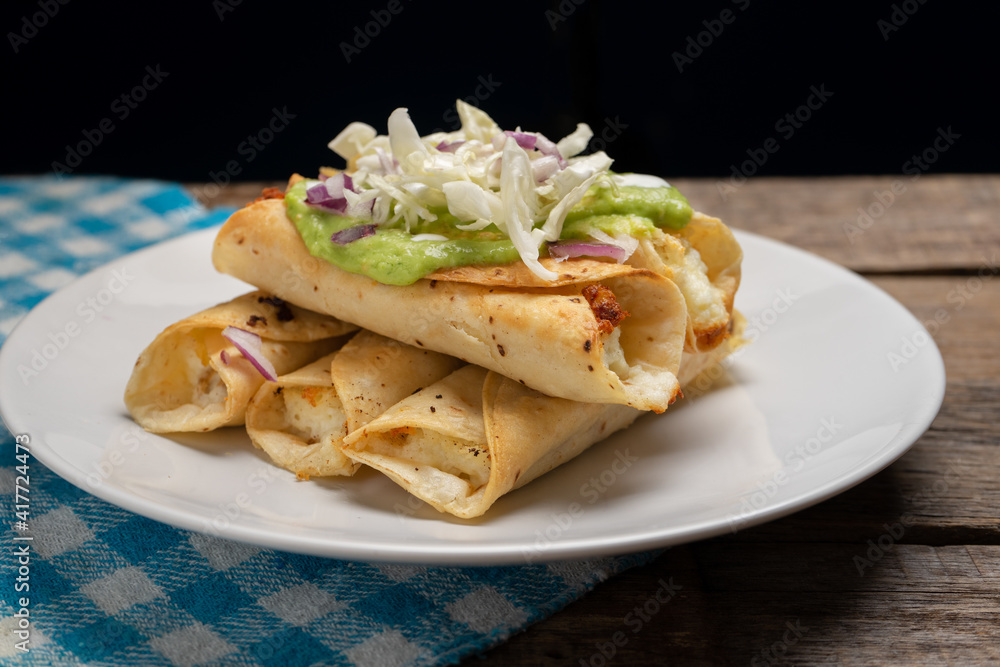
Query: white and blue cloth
[108,587]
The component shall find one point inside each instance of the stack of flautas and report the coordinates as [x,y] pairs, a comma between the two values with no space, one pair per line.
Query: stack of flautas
[470,377]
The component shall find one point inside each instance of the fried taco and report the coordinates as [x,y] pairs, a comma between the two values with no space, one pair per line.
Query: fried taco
[301,419]
[200,373]
[464,442]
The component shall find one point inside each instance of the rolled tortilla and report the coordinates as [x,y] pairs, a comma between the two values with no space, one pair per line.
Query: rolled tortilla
[191,378]
[462,443]
[543,335]
[301,420]
[704,259]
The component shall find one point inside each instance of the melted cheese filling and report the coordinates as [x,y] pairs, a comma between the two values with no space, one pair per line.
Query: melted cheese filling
[314,414]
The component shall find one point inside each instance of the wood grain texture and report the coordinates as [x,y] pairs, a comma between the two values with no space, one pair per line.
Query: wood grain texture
[935,223]
[902,569]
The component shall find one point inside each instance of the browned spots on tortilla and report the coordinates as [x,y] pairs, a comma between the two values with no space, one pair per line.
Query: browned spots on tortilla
[434,284]
[451,298]
[255,320]
[418,343]
[491,319]
[502,352]
[709,339]
[590,368]
[607,310]
[586,345]
[240,240]
[284,313]
[433,409]
[268,193]
[575,300]
[277,392]
[255,251]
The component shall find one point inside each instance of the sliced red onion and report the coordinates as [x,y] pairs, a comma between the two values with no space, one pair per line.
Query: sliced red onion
[351,234]
[249,344]
[547,147]
[446,147]
[523,139]
[319,195]
[567,249]
[224,357]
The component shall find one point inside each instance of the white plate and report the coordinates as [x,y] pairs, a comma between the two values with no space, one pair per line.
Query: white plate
[839,381]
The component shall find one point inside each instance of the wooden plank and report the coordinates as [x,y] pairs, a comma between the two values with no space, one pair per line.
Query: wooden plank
[782,604]
[936,223]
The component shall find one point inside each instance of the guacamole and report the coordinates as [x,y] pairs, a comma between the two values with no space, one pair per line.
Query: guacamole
[391,256]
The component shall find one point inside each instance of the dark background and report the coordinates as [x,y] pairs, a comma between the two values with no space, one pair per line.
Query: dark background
[611,64]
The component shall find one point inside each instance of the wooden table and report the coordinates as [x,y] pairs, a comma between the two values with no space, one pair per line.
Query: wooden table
[790,592]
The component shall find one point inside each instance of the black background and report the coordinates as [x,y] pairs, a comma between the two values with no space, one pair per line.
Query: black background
[549,65]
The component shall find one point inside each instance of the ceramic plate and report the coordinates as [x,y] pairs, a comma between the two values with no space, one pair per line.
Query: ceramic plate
[838,382]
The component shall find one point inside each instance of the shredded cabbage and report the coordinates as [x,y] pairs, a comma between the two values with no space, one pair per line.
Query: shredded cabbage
[479,172]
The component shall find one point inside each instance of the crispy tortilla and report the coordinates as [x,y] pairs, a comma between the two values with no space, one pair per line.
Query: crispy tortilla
[301,420]
[544,336]
[704,259]
[180,382]
[462,443]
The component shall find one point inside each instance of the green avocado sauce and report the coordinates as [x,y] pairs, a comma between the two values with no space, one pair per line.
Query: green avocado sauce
[390,256]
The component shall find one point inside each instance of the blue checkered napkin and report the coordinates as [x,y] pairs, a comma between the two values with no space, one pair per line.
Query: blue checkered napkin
[55,229]
[108,587]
